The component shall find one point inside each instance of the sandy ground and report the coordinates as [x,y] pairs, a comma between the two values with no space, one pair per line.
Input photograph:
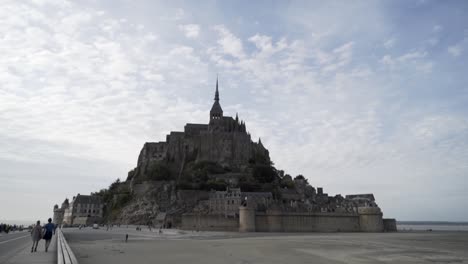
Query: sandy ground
[101,246]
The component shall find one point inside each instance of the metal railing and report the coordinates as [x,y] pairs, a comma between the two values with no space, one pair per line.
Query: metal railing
[64,253]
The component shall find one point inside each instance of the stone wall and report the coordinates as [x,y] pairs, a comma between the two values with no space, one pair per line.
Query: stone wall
[209,223]
[389,225]
[277,221]
[86,220]
[370,219]
[190,198]
[303,222]
[140,189]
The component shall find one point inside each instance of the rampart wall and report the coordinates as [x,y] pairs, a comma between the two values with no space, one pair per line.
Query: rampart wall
[303,222]
[277,221]
[389,225]
[209,223]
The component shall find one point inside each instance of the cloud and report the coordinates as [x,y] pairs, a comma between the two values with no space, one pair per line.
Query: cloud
[82,88]
[415,59]
[437,28]
[229,43]
[341,57]
[190,30]
[79,66]
[455,50]
[389,43]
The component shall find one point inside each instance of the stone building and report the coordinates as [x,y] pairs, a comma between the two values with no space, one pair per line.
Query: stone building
[59,212]
[83,210]
[227,202]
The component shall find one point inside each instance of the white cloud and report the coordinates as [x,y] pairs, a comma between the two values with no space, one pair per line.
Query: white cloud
[229,43]
[265,45]
[69,81]
[190,30]
[455,50]
[389,43]
[341,57]
[415,60]
[433,41]
[437,28]
[80,86]
[412,56]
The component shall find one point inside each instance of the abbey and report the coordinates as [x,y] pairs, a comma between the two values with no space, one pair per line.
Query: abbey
[224,140]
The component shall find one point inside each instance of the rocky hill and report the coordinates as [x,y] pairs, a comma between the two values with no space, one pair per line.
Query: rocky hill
[176,175]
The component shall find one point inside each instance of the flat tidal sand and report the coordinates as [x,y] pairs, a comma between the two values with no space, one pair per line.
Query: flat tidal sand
[91,246]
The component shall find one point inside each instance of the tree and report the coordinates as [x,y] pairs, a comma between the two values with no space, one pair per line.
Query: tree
[218,185]
[159,172]
[114,185]
[264,173]
[287,182]
[301,177]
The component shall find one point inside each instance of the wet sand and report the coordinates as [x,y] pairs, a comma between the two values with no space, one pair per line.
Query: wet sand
[101,246]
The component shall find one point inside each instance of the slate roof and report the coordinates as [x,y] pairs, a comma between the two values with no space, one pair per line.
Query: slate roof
[369,196]
[216,108]
[87,199]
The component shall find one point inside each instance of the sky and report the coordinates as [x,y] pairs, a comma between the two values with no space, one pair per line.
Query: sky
[358,96]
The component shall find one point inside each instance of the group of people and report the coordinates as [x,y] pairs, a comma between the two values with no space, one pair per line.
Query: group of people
[7,228]
[45,232]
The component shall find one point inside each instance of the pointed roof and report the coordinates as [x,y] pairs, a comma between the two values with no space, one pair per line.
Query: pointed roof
[217,92]
[216,108]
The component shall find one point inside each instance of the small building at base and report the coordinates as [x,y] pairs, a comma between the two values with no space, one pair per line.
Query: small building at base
[82,210]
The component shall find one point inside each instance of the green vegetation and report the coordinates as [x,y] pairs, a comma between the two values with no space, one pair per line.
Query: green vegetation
[114,198]
[301,177]
[205,167]
[160,172]
[196,176]
[287,182]
[264,173]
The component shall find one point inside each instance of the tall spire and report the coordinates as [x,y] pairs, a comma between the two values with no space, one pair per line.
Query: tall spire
[216,111]
[217,92]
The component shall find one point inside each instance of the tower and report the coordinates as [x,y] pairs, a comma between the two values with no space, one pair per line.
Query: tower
[216,112]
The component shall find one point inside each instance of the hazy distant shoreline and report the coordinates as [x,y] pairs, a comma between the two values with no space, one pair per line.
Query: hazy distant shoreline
[430,223]
[431,226]
[20,222]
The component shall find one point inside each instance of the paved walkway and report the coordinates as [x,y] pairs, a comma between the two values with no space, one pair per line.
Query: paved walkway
[22,253]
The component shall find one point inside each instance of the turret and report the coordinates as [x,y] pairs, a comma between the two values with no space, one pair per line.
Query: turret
[65,204]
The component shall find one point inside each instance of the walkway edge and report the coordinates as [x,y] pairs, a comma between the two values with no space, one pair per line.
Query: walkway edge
[64,253]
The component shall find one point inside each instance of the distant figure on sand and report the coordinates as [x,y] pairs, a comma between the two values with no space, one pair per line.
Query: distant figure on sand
[49,231]
[36,235]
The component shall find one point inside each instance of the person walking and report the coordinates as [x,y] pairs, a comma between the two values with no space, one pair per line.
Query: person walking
[49,231]
[36,235]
